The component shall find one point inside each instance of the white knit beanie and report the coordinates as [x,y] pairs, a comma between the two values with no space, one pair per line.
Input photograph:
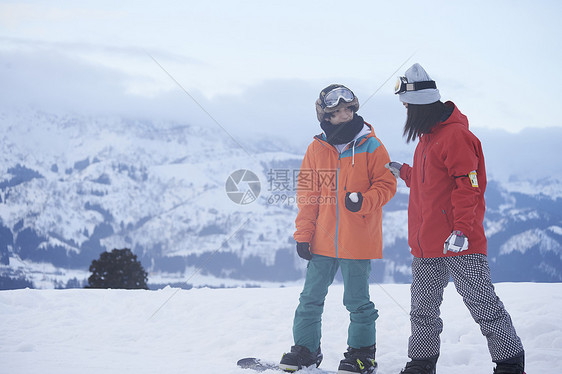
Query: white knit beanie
[427,96]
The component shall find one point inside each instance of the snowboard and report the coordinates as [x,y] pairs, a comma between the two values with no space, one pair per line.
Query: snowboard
[262,365]
[257,364]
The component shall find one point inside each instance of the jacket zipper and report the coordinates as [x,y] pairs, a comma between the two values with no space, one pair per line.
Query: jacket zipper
[419,244]
[425,156]
[337,206]
[423,181]
[423,168]
[344,189]
[337,188]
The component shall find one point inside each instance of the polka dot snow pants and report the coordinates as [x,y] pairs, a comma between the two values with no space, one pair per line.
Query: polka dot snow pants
[471,276]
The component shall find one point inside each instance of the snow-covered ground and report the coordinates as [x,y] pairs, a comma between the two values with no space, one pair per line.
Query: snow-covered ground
[207,330]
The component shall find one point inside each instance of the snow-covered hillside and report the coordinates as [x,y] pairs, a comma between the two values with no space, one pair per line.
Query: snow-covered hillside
[207,330]
[74,186]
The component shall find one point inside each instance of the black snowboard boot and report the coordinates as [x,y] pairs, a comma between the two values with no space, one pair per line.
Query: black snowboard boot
[360,361]
[300,357]
[515,365]
[420,367]
[509,369]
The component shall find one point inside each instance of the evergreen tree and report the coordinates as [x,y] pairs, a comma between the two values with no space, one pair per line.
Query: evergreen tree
[117,269]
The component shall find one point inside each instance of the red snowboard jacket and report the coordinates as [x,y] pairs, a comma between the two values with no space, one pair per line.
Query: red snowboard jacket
[447,183]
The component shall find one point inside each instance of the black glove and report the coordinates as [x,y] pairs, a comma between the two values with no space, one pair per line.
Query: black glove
[303,249]
[353,206]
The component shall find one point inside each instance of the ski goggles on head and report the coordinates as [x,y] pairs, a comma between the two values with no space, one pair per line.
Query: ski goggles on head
[333,97]
[403,86]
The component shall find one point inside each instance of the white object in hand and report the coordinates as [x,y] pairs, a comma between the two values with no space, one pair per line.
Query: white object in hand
[353,197]
[456,242]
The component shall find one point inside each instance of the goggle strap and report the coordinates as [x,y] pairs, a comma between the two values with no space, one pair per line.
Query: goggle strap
[415,86]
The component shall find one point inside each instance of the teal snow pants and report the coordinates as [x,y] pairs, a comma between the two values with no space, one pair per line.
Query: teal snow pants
[320,274]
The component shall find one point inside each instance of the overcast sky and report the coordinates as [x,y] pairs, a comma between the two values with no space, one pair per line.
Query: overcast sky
[257,66]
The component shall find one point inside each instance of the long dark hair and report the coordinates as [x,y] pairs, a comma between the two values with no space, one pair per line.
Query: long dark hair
[422,118]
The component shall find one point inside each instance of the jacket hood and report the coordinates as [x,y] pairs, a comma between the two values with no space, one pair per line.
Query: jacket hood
[359,139]
[455,117]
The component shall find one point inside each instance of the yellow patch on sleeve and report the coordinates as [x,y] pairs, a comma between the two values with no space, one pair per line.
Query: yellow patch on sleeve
[473,178]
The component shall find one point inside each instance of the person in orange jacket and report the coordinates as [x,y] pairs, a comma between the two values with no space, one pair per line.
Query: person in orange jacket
[445,227]
[341,189]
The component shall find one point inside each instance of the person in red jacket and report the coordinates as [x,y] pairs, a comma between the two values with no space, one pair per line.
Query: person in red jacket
[445,227]
[341,189]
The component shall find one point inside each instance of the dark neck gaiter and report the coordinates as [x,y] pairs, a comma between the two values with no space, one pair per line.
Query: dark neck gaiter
[344,133]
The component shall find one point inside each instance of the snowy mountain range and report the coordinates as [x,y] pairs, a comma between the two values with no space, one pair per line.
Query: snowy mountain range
[200,207]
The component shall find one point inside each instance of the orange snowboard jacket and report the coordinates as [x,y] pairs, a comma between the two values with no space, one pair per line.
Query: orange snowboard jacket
[324,179]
